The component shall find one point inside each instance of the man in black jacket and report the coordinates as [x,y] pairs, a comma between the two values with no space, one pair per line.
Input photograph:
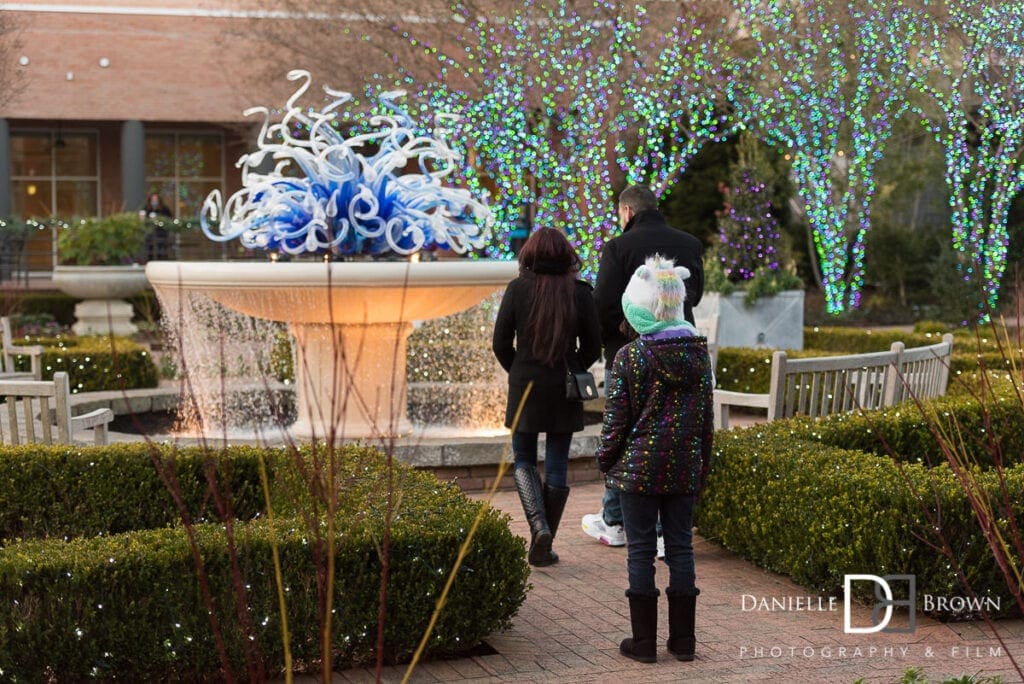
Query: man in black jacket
[644,234]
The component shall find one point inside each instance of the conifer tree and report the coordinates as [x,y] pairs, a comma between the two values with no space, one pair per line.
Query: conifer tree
[748,232]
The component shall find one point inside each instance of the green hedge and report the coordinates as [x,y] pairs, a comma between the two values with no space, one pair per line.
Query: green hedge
[817,499]
[57,304]
[903,431]
[129,605]
[843,340]
[742,369]
[816,512]
[72,491]
[95,364]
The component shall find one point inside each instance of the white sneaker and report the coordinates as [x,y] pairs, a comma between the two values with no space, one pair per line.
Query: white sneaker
[609,535]
[661,546]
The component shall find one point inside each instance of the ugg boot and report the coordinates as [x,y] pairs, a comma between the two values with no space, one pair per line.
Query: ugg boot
[682,617]
[554,504]
[532,497]
[643,617]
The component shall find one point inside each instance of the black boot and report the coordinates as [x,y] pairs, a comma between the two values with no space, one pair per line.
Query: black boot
[643,617]
[682,617]
[532,497]
[554,503]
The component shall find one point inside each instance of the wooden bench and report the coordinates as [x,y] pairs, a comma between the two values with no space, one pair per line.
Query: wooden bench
[824,385]
[39,411]
[11,350]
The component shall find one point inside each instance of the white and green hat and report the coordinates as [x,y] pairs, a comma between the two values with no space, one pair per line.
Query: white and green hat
[653,300]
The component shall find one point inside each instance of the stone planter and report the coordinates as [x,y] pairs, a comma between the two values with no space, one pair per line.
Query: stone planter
[775,322]
[103,289]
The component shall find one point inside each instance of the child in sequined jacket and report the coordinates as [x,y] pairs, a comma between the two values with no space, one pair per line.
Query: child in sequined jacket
[655,448]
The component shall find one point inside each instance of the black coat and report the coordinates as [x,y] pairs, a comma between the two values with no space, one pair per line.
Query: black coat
[546,409]
[645,235]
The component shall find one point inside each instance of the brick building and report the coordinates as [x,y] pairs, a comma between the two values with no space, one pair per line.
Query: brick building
[114,101]
[107,102]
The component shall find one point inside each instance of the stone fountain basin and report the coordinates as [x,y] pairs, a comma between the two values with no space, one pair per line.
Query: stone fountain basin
[100,282]
[339,292]
[350,322]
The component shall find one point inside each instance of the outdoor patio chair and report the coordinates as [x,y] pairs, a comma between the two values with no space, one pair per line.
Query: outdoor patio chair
[39,412]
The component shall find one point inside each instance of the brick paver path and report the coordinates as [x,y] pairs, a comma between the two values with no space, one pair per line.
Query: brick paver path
[569,628]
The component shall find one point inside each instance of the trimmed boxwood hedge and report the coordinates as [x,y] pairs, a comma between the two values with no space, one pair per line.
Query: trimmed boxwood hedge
[62,306]
[74,491]
[29,302]
[741,369]
[848,340]
[903,432]
[95,364]
[786,496]
[129,606]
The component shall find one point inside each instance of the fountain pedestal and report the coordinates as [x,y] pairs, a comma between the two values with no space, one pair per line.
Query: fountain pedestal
[350,321]
[353,379]
[103,289]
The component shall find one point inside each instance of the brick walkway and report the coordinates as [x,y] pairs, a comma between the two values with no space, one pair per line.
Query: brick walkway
[569,628]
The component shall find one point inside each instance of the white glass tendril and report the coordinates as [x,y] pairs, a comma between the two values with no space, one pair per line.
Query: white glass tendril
[329,194]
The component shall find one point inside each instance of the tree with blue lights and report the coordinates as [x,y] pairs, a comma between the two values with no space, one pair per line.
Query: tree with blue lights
[971,68]
[556,101]
[823,82]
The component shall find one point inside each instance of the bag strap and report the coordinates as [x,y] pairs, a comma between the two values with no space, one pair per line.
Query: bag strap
[565,361]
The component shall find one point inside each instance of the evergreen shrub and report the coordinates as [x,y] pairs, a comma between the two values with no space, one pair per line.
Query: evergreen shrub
[743,369]
[30,303]
[67,491]
[904,432]
[96,364]
[816,512]
[128,605]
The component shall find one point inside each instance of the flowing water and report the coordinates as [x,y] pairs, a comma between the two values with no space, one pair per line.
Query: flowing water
[238,371]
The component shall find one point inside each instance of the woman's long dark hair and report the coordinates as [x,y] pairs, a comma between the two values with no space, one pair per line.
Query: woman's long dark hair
[550,257]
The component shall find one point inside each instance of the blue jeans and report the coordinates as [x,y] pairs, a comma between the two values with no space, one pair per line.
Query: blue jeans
[640,517]
[611,507]
[556,454]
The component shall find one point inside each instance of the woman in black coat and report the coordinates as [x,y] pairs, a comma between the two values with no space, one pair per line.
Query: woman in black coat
[546,324]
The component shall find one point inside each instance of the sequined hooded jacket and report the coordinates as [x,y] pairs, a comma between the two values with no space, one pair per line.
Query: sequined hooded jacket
[657,431]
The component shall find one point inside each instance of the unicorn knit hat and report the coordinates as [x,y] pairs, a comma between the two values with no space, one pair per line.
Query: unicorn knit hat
[653,300]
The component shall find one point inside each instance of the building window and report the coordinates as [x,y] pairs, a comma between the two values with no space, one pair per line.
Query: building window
[54,174]
[183,168]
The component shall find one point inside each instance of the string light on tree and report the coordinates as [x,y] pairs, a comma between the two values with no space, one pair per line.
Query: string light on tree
[548,124]
[978,85]
[797,89]
[748,232]
[676,108]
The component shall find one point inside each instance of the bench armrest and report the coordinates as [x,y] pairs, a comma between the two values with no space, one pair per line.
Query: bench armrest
[97,420]
[723,399]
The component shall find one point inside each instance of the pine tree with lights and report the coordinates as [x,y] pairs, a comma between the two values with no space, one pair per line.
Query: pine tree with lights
[749,234]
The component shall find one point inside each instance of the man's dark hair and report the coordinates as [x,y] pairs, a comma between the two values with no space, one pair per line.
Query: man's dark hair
[638,198]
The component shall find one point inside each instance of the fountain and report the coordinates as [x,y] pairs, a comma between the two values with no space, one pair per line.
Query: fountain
[349,319]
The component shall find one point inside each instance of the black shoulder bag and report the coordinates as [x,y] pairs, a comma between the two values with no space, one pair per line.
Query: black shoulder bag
[580,386]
